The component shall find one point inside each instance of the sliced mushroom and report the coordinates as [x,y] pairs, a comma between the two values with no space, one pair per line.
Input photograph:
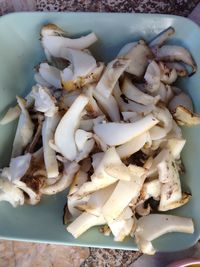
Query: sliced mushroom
[64,134]
[114,134]
[40,81]
[79,179]
[55,44]
[81,138]
[180,68]
[19,166]
[100,177]
[65,180]
[152,226]
[11,115]
[168,76]
[48,130]
[122,226]
[171,194]
[109,106]
[51,29]
[97,200]
[50,74]
[127,105]
[24,132]
[150,189]
[176,53]
[44,101]
[152,77]
[139,56]
[132,146]
[134,94]
[92,108]
[111,75]
[175,146]
[10,193]
[185,117]
[163,36]
[181,99]
[84,153]
[83,71]
[131,190]
[83,223]
[32,197]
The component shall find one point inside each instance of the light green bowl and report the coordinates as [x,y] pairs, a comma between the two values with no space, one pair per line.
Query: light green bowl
[20,51]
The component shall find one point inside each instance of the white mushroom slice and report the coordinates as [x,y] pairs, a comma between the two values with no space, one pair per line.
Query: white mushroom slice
[100,143]
[100,178]
[127,115]
[89,144]
[165,118]
[128,105]
[176,53]
[72,202]
[19,166]
[134,94]
[82,63]
[51,29]
[114,134]
[10,193]
[39,80]
[24,132]
[157,133]
[175,146]
[79,179]
[132,146]
[44,101]
[168,76]
[162,37]
[176,131]
[48,130]
[109,106]
[83,223]
[150,189]
[181,99]
[54,44]
[33,197]
[142,210]
[118,170]
[96,159]
[171,194]
[74,205]
[70,82]
[65,180]
[139,56]
[180,69]
[11,115]
[185,117]
[97,200]
[50,74]
[152,77]
[81,138]
[126,48]
[122,226]
[64,135]
[111,75]
[152,226]
[131,190]
[92,108]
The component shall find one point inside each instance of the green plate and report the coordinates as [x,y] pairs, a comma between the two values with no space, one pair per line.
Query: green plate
[20,51]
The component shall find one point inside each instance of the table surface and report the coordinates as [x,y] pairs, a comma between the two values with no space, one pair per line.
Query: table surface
[20,254]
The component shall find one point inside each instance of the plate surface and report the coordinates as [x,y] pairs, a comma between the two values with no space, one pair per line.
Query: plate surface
[20,51]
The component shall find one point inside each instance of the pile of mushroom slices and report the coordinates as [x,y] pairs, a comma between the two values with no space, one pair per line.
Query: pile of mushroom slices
[109,132]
